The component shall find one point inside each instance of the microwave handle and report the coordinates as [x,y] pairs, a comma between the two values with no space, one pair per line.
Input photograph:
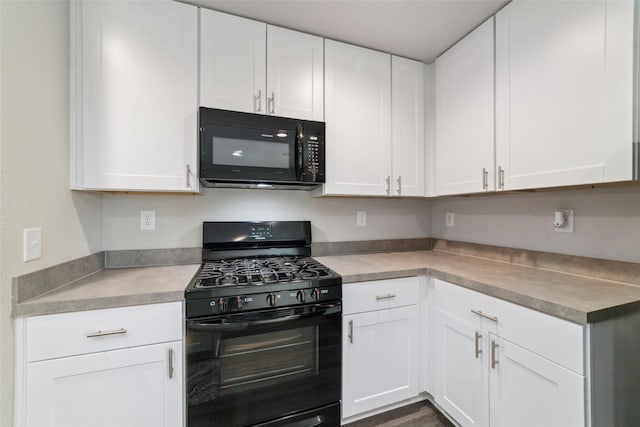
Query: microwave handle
[299,157]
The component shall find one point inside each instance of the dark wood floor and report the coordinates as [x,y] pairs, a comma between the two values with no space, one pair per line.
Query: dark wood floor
[421,414]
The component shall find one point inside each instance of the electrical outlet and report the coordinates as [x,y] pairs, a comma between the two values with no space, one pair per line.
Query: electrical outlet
[31,244]
[449,219]
[361,220]
[563,221]
[147,220]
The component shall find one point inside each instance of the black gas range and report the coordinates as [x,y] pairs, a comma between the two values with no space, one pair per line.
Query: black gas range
[263,322]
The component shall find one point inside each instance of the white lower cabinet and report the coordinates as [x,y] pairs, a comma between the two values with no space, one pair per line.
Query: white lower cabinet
[501,365]
[527,390]
[461,374]
[129,387]
[112,367]
[380,344]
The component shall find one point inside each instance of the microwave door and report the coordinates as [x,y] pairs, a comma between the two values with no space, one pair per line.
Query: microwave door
[232,153]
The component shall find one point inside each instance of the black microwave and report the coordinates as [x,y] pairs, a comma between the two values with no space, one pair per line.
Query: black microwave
[259,151]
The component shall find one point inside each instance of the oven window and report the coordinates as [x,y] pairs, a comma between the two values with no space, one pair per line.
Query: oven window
[252,362]
[254,153]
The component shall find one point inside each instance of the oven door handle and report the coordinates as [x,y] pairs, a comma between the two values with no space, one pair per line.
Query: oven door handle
[235,326]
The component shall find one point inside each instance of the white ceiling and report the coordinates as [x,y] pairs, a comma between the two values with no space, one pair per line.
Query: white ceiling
[418,29]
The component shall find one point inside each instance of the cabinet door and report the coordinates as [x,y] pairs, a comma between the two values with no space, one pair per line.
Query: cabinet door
[380,358]
[407,126]
[295,74]
[530,391]
[461,383]
[358,117]
[137,118]
[232,62]
[129,387]
[564,92]
[464,145]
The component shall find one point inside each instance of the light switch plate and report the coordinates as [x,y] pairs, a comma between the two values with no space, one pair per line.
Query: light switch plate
[32,244]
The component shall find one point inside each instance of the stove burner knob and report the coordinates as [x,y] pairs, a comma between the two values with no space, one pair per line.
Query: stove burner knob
[301,296]
[239,303]
[315,294]
[271,299]
[222,305]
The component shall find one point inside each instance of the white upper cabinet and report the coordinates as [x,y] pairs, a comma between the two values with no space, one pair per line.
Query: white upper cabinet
[134,96]
[564,79]
[375,123]
[358,120]
[295,74]
[407,127]
[464,143]
[252,67]
[233,61]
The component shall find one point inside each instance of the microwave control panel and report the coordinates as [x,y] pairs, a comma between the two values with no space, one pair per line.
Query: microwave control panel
[314,159]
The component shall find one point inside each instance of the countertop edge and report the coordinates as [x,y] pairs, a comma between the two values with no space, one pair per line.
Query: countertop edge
[41,308]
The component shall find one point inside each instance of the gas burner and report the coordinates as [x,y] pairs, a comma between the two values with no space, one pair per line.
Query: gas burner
[259,271]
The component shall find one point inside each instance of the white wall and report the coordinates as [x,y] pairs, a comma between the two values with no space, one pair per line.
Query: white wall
[179,218]
[34,155]
[607,221]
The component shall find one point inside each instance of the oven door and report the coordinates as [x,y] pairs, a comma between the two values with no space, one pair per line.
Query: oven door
[249,368]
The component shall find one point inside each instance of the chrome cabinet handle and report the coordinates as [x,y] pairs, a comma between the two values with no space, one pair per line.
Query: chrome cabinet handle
[494,362]
[272,102]
[485,179]
[478,349]
[350,334]
[501,177]
[383,297]
[188,176]
[388,180]
[399,181]
[486,316]
[104,333]
[170,363]
[259,100]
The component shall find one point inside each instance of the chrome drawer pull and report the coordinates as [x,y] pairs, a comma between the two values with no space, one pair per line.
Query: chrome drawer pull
[350,334]
[170,363]
[478,350]
[259,100]
[494,362]
[103,333]
[486,316]
[387,296]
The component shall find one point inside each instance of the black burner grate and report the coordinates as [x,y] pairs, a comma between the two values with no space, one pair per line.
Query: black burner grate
[259,271]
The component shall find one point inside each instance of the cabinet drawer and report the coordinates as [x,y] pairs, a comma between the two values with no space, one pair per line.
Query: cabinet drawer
[379,294]
[556,339]
[67,334]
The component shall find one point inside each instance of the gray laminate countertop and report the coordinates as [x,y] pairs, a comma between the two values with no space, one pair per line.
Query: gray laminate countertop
[115,287]
[575,298]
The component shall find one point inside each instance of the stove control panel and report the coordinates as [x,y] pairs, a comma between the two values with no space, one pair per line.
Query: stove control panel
[256,301]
